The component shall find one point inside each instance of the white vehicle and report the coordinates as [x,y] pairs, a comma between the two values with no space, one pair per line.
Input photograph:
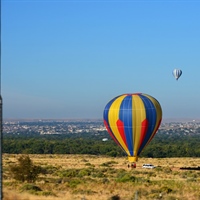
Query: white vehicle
[148,166]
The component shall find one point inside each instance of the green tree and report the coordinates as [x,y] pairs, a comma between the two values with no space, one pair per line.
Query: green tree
[25,170]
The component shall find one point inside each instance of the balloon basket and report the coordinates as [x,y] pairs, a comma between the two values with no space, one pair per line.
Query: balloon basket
[132,159]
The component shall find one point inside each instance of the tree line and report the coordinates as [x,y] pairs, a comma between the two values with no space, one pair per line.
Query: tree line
[161,146]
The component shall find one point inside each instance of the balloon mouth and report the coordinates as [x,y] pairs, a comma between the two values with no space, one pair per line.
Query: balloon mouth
[132,158]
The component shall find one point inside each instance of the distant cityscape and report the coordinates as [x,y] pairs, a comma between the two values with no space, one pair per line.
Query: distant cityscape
[48,126]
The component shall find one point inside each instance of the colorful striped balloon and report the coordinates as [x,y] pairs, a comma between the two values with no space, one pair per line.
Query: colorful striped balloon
[132,120]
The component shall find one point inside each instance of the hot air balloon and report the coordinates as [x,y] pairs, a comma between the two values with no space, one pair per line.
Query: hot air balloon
[177,73]
[132,120]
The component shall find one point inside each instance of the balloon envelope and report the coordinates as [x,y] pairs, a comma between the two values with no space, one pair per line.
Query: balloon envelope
[177,73]
[132,120]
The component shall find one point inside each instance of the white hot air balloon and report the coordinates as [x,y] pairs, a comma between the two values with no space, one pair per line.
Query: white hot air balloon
[177,73]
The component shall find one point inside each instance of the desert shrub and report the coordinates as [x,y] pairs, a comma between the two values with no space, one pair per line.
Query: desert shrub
[155,190]
[98,174]
[68,173]
[72,173]
[109,170]
[143,172]
[188,174]
[105,180]
[25,170]
[198,173]
[125,177]
[74,182]
[176,173]
[141,180]
[47,193]
[87,192]
[89,164]
[191,179]
[121,171]
[153,195]
[191,174]
[115,197]
[108,164]
[173,184]
[165,189]
[33,189]
[151,174]
[84,160]
[48,169]
[12,184]
[84,172]
[103,170]
[30,187]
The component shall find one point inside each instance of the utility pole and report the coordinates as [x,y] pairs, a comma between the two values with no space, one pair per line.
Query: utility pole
[1,121]
[136,195]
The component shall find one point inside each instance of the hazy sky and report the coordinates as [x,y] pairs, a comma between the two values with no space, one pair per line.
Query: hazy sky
[68,58]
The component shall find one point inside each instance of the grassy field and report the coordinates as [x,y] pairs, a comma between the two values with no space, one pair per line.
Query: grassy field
[86,177]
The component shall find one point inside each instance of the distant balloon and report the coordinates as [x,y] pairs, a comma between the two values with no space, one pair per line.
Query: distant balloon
[177,73]
[132,120]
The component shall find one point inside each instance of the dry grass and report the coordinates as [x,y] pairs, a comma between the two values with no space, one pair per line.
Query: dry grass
[108,177]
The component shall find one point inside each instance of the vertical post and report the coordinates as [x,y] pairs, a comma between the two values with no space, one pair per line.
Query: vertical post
[1,148]
[1,129]
[136,195]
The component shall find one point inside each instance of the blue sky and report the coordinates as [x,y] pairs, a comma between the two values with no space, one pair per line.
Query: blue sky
[67,59]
